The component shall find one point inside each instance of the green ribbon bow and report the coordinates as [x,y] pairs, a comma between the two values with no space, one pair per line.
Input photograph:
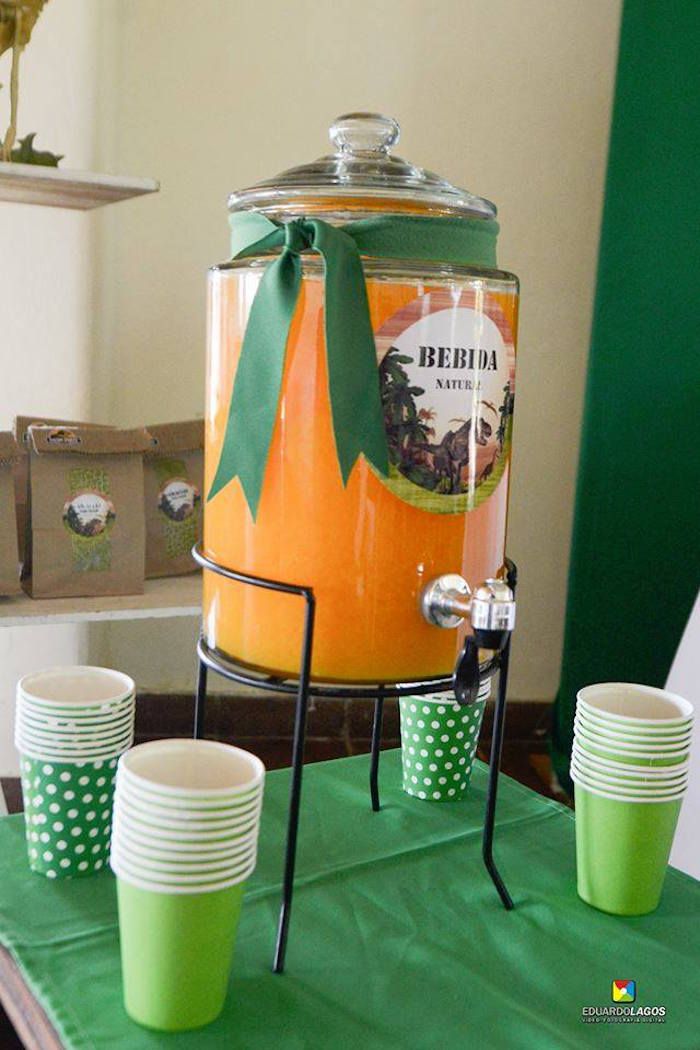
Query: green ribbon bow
[353,378]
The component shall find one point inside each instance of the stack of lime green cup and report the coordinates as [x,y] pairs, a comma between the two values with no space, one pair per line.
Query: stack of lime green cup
[630,766]
[186,822]
[71,726]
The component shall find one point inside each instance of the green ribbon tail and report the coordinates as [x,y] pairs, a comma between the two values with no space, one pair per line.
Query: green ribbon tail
[353,375]
[258,382]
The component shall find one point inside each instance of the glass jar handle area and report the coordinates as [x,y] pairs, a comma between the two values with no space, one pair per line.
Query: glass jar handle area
[364,133]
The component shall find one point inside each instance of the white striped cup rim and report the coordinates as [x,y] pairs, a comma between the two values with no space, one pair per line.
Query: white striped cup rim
[638,784]
[183,837]
[145,839]
[30,685]
[667,744]
[135,789]
[103,709]
[185,829]
[178,886]
[649,726]
[179,878]
[22,733]
[152,819]
[155,887]
[634,786]
[62,724]
[446,699]
[621,733]
[183,750]
[597,760]
[657,731]
[76,717]
[43,753]
[626,769]
[147,847]
[46,754]
[188,863]
[205,874]
[183,811]
[591,696]
[197,871]
[76,737]
[651,799]
[633,752]
[184,819]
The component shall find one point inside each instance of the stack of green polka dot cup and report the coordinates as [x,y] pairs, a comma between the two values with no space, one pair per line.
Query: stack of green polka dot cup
[438,744]
[72,724]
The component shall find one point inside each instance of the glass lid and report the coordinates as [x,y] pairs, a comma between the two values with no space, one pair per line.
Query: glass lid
[362,172]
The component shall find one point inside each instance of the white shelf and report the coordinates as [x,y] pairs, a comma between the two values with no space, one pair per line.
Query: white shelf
[56,188]
[171,596]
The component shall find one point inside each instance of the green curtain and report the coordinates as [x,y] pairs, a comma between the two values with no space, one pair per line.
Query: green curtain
[634,564]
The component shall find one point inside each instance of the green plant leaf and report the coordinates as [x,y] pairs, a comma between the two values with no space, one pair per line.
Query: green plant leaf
[24,153]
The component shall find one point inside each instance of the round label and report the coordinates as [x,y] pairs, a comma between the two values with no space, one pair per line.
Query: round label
[447,371]
[88,513]
[178,499]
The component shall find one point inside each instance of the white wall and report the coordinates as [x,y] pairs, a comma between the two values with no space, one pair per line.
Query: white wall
[46,287]
[684,679]
[511,99]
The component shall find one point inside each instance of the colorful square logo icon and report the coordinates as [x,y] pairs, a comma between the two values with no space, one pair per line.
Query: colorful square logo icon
[624,991]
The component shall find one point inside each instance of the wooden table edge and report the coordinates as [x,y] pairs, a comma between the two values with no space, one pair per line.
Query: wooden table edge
[24,1012]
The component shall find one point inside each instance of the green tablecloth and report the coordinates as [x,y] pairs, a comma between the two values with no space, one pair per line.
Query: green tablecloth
[398,939]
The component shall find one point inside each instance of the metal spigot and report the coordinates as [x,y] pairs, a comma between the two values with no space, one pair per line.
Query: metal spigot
[492,608]
[448,600]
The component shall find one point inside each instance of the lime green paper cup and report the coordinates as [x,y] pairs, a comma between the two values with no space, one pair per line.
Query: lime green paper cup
[438,745]
[622,851]
[68,815]
[176,950]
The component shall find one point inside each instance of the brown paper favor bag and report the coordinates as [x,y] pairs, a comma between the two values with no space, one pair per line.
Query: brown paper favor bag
[21,468]
[9,553]
[173,476]
[86,511]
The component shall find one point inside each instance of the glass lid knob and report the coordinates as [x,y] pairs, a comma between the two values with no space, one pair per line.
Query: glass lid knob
[364,133]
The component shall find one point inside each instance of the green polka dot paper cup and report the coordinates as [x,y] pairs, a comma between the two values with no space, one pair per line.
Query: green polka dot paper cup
[438,744]
[68,815]
[71,726]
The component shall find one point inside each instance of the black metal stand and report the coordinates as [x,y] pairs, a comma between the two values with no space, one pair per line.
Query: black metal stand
[303,688]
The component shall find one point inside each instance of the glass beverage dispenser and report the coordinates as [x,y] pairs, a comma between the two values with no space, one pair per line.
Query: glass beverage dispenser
[360,396]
